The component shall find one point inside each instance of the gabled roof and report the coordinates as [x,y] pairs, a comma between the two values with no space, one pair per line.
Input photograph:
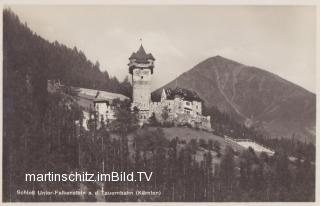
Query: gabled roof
[98,95]
[141,56]
[182,93]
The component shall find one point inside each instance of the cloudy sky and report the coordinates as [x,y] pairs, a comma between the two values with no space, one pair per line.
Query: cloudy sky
[280,39]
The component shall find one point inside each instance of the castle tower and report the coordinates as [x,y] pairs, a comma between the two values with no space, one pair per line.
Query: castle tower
[141,68]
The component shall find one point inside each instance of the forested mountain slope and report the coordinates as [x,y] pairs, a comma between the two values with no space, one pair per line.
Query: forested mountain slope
[253,96]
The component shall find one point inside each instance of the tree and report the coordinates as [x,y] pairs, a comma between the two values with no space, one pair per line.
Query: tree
[227,174]
[208,176]
[92,122]
[203,144]
[153,120]
[165,113]
[282,175]
[150,140]
[97,65]
[210,144]
[307,183]
[125,120]
[193,146]
[251,175]
[217,148]
[126,87]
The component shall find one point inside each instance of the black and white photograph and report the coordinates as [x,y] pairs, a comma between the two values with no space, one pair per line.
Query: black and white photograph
[158,103]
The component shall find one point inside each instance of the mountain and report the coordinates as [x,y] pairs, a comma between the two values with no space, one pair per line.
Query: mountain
[253,96]
[28,55]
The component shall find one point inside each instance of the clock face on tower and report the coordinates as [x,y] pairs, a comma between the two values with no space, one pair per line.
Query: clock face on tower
[145,72]
[137,71]
[141,75]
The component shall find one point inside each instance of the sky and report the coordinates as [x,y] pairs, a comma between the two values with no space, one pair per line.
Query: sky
[279,39]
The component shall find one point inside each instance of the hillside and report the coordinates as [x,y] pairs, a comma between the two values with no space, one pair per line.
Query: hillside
[253,96]
[36,122]
[30,56]
[187,134]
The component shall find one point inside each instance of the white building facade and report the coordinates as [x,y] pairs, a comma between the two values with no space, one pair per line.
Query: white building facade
[100,102]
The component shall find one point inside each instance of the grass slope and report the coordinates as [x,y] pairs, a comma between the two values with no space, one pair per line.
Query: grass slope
[187,134]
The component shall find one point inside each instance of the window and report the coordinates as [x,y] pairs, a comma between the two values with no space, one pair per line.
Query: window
[141,77]
[188,103]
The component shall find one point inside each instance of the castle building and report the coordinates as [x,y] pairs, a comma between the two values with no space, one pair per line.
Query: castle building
[141,69]
[98,101]
[181,105]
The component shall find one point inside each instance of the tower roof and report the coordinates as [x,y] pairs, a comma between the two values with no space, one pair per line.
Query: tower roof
[141,56]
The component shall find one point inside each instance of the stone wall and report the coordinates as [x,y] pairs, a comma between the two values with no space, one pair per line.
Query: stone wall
[141,82]
[178,116]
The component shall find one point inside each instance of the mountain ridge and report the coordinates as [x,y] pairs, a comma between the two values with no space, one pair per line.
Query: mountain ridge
[255,96]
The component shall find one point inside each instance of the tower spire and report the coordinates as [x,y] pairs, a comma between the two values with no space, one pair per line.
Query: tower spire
[141,57]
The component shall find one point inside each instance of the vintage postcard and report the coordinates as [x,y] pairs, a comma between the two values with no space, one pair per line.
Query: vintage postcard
[159,103]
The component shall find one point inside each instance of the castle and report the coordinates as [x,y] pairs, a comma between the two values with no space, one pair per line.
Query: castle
[180,105]
[176,106]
